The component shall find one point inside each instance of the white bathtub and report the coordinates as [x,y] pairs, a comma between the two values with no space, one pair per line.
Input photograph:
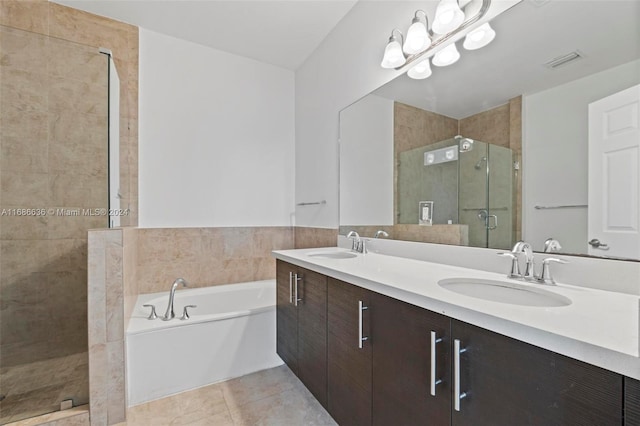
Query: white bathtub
[231,333]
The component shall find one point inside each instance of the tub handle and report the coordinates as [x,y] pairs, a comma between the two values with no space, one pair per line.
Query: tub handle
[185,313]
[153,314]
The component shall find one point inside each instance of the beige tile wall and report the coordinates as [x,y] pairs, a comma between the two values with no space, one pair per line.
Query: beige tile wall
[306,237]
[439,234]
[207,256]
[67,24]
[53,139]
[106,327]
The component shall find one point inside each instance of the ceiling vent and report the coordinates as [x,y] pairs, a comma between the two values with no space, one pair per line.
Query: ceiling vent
[564,59]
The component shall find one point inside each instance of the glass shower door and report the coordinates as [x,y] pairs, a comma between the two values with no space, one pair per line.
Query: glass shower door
[53,173]
[486,195]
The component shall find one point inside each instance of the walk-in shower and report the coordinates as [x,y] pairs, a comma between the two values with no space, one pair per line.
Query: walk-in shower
[54,176]
[470,183]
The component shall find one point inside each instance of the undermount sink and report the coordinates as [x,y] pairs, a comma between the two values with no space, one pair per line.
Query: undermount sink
[504,292]
[333,254]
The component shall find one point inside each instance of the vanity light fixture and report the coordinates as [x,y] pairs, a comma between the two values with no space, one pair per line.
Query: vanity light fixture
[446,56]
[393,56]
[422,41]
[479,37]
[449,16]
[417,36]
[421,70]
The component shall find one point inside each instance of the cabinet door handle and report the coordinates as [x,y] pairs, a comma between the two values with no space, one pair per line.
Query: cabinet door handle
[290,287]
[457,395]
[361,338]
[434,381]
[295,297]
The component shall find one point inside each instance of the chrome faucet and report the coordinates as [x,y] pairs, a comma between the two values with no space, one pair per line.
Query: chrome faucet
[523,247]
[529,274]
[358,245]
[380,233]
[169,314]
[551,245]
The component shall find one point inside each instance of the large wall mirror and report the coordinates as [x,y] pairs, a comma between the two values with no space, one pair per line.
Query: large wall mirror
[500,146]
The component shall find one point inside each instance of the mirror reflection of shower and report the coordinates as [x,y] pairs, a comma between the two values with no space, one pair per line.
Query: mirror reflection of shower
[470,183]
[478,165]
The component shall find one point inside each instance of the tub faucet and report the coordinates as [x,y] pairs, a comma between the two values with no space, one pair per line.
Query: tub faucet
[169,314]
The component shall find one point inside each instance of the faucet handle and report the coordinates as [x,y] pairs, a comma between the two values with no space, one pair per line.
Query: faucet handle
[515,266]
[545,276]
[185,313]
[153,314]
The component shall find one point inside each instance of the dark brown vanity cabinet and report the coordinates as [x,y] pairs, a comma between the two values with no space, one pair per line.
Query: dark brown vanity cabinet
[631,402]
[507,382]
[411,368]
[349,353]
[374,360]
[301,317]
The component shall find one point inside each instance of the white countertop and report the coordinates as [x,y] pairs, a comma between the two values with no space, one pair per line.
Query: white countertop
[599,327]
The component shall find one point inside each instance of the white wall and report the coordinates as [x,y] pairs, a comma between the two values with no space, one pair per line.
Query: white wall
[216,137]
[555,137]
[344,68]
[366,179]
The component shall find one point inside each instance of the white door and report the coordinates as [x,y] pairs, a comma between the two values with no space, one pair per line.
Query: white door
[614,190]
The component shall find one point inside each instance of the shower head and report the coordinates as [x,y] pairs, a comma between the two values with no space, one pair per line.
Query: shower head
[479,163]
[464,144]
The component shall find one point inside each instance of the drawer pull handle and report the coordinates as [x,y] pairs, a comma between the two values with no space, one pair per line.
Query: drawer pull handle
[360,337]
[295,297]
[457,395]
[290,287]
[434,381]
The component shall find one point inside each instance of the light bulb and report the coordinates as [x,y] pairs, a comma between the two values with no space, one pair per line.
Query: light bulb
[448,17]
[446,56]
[393,56]
[421,70]
[417,38]
[479,37]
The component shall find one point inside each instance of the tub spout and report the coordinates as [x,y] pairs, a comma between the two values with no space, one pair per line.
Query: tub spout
[169,314]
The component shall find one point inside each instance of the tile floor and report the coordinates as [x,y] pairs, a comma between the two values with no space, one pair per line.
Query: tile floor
[272,397]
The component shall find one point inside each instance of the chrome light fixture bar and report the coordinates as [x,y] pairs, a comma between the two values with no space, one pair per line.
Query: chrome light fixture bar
[395,58]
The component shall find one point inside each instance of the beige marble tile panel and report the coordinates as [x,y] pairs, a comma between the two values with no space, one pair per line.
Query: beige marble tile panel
[98,384]
[490,126]
[28,128]
[23,90]
[28,15]
[22,257]
[23,50]
[75,157]
[75,62]
[114,291]
[77,190]
[25,189]
[65,225]
[116,410]
[75,96]
[169,246]
[69,127]
[23,227]
[159,277]
[85,28]
[96,289]
[306,237]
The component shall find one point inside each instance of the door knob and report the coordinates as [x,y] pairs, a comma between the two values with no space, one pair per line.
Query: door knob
[595,243]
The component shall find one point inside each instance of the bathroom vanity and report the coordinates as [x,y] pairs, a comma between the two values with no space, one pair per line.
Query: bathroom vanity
[379,341]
